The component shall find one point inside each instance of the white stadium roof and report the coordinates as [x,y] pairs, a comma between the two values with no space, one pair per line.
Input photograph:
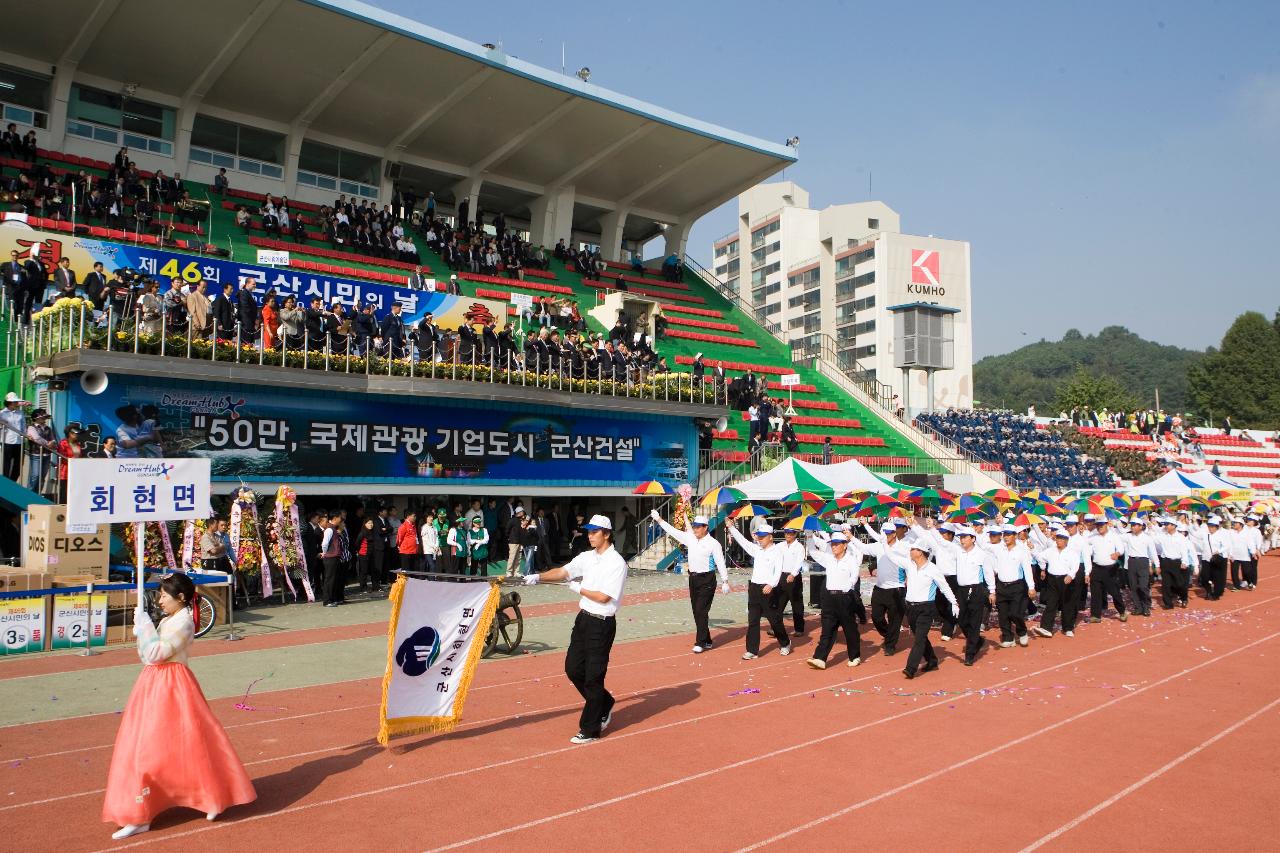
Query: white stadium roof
[450,111]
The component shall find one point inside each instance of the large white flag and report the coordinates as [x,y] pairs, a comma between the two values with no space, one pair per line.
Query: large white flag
[434,643]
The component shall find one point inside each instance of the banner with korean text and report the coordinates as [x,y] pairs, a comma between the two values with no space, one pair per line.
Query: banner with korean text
[22,625]
[104,491]
[258,433]
[434,643]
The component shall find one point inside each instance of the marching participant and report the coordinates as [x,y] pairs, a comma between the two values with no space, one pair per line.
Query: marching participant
[888,601]
[1105,550]
[1015,587]
[945,552]
[706,557]
[922,581]
[1199,536]
[1060,562]
[598,575]
[766,571]
[1240,554]
[1219,549]
[975,590]
[792,586]
[842,561]
[1172,550]
[1140,554]
[1253,531]
[1190,562]
[150,770]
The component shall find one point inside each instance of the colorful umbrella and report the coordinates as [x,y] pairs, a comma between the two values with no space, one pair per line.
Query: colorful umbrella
[838,505]
[1038,495]
[812,499]
[877,505]
[807,522]
[1189,504]
[1002,496]
[1218,498]
[654,487]
[928,497]
[1144,504]
[1026,519]
[751,511]
[723,495]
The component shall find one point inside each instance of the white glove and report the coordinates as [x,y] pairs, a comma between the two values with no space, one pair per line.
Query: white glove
[139,616]
[724,587]
[576,586]
[530,580]
[955,611]
[655,515]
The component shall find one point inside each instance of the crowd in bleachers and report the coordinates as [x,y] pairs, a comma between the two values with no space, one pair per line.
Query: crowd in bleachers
[1029,456]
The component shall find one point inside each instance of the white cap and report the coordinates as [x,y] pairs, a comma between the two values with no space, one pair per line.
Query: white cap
[1008,529]
[698,356]
[699,521]
[947,527]
[763,530]
[1072,519]
[1061,533]
[598,522]
[519,510]
[922,545]
[1088,516]
[965,530]
[453,278]
[11,397]
[1182,528]
[995,530]
[838,536]
[1214,520]
[888,527]
[901,522]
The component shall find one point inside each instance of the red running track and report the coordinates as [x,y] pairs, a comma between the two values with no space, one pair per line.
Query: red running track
[1146,735]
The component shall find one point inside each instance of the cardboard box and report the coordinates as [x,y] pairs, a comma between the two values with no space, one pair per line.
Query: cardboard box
[20,580]
[47,546]
[74,580]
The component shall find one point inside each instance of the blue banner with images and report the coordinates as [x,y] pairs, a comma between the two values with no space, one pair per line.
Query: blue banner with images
[257,433]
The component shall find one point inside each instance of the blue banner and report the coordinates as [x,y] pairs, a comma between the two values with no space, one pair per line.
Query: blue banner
[260,434]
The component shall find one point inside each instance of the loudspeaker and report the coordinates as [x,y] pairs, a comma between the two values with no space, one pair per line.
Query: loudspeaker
[93,382]
[393,171]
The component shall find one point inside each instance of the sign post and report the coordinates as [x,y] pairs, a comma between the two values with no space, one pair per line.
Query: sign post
[789,381]
[273,258]
[523,302]
[103,491]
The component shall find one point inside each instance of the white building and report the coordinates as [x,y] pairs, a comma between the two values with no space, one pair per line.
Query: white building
[847,282]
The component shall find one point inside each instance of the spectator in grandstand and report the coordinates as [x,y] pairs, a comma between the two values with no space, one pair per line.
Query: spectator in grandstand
[197,305]
[826,450]
[270,320]
[223,310]
[12,141]
[243,220]
[13,422]
[150,310]
[220,182]
[29,146]
[393,332]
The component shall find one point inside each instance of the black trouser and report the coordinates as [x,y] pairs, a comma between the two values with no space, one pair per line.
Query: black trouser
[408,562]
[702,591]
[1251,572]
[13,460]
[759,604]
[332,580]
[1071,600]
[793,592]
[1053,598]
[1139,571]
[362,571]
[888,606]
[315,571]
[817,583]
[1011,609]
[1079,591]
[1173,587]
[1205,571]
[972,601]
[1237,571]
[586,664]
[378,567]
[1217,576]
[945,615]
[920,617]
[837,612]
[1104,581]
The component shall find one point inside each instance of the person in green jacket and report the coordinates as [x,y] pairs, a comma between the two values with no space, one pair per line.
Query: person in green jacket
[478,546]
[462,547]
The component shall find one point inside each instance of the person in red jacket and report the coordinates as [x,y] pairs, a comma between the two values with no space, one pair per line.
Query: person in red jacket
[408,544]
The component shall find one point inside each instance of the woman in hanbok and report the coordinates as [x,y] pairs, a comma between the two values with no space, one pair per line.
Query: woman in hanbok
[170,752]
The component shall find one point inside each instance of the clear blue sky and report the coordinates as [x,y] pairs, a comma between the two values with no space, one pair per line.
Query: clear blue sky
[1111,163]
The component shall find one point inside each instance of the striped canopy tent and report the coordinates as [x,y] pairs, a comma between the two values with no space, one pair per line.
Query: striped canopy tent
[1177,484]
[791,475]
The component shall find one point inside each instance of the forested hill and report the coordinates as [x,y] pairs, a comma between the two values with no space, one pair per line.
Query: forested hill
[1036,373]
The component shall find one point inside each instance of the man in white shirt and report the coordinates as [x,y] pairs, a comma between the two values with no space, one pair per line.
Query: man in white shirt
[1060,561]
[598,576]
[945,552]
[922,580]
[888,602]
[792,586]
[1140,554]
[1219,548]
[430,542]
[706,557]
[1015,587]
[1199,536]
[1253,531]
[766,572]
[1105,550]
[15,429]
[975,589]
[1172,549]
[842,562]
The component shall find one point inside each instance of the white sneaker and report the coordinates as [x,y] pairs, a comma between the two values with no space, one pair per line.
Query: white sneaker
[785,650]
[211,816]
[946,638]
[1024,640]
[1006,644]
[130,829]
[697,650]
[1042,632]
[1069,633]
[854,662]
[604,724]
[580,738]
[817,663]
[749,656]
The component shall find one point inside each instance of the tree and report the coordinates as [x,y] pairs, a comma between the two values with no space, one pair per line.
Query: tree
[1084,390]
[1241,379]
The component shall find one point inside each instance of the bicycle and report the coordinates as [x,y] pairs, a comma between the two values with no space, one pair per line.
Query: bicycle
[208,611]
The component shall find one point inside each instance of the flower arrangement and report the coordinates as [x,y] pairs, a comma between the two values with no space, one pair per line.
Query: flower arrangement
[62,304]
[684,497]
[244,533]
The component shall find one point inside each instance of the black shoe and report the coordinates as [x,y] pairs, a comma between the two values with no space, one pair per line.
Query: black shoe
[890,651]
[908,673]
[968,661]
[799,632]
[930,666]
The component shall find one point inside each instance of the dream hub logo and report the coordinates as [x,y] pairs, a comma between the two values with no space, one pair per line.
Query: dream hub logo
[419,651]
[146,469]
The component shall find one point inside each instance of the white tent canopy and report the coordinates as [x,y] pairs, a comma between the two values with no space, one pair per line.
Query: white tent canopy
[1178,484]
[792,475]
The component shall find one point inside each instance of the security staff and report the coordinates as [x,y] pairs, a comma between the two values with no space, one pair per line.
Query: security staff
[975,590]
[842,562]
[922,580]
[1105,550]
[766,572]
[706,557]
[598,576]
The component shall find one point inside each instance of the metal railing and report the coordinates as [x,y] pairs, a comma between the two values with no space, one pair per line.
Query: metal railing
[999,474]
[74,325]
[823,346]
[711,280]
